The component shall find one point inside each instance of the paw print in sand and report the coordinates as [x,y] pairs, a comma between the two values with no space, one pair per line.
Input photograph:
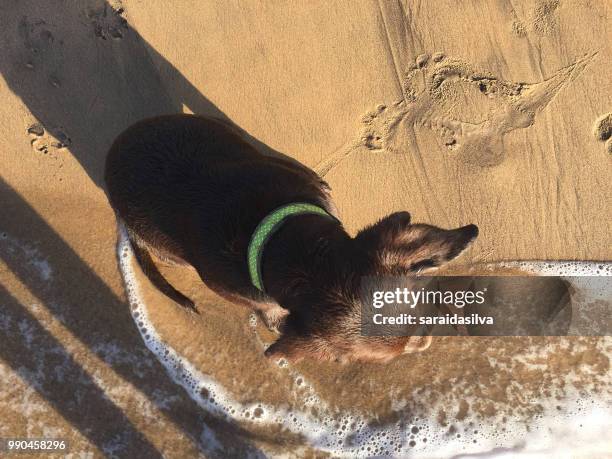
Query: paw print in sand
[603,130]
[45,142]
[468,110]
[108,21]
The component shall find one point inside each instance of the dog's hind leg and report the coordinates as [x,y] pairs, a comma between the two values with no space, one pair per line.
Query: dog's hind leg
[148,267]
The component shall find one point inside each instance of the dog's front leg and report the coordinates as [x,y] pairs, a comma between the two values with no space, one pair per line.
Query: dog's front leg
[273,316]
[271,313]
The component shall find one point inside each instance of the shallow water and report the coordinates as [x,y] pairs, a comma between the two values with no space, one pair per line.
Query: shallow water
[523,411]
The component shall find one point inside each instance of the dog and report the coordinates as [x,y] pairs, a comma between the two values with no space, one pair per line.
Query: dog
[262,231]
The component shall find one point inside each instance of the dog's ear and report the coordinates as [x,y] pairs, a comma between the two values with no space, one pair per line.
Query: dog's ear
[399,246]
[384,232]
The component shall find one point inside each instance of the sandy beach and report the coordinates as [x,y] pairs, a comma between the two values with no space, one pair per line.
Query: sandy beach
[493,113]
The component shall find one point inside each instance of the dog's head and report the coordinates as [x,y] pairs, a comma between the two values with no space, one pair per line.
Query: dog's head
[325,321]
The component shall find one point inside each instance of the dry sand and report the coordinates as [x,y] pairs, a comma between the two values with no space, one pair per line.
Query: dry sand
[496,113]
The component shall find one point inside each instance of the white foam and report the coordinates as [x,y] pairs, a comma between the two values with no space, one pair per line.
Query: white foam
[567,268]
[351,435]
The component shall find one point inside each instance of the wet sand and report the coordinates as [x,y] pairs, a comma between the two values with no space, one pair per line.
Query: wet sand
[496,116]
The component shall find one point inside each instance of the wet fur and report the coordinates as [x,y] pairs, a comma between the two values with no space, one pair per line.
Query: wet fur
[191,190]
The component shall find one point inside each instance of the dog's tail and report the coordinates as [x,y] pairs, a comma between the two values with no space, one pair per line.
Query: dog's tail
[148,267]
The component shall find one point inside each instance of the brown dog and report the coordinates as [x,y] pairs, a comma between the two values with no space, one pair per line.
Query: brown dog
[192,191]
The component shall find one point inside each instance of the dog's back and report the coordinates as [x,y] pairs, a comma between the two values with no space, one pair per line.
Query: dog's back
[193,190]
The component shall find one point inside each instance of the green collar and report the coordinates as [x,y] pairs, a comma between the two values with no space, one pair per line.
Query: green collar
[267,227]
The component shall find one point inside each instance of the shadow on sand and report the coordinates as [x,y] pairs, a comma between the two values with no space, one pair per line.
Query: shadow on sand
[81,402]
[88,308]
[86,75]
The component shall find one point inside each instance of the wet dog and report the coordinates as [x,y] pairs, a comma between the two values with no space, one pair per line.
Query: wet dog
[263,231]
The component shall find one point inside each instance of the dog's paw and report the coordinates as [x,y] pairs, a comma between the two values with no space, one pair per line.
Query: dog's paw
[274,318]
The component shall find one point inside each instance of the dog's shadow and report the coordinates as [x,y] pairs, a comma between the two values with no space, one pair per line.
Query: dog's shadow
[85,75]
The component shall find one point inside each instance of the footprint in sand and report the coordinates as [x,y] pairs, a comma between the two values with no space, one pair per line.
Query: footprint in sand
[44,142]
[108,21]
[38,44]
[603,130]
[468,110]
[543,20]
